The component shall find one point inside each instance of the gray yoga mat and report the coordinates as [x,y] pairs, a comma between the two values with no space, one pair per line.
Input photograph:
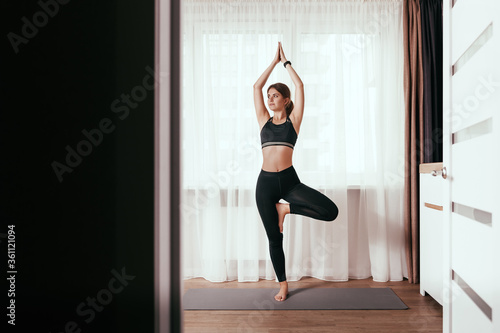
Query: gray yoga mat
[298,299]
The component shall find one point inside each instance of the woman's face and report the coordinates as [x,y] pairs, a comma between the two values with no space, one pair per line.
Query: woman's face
[275,100]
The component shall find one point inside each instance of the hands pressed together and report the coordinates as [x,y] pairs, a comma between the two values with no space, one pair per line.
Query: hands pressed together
[280,55]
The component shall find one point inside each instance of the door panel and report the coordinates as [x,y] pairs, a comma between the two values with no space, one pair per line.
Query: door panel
[470,18]
[472,255]
[475,86]
[471,155]
[472,163]
[475,320]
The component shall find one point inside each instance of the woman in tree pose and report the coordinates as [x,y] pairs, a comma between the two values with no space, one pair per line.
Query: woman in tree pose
[278,179]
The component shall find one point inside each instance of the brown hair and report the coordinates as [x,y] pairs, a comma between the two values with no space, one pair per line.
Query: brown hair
[285,92]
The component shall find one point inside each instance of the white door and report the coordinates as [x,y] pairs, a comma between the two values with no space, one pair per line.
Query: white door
[471,126]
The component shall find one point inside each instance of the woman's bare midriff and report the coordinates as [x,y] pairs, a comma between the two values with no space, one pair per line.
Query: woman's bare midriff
[276,158]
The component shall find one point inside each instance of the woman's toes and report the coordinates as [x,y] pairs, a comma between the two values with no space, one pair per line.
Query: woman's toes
[281,296]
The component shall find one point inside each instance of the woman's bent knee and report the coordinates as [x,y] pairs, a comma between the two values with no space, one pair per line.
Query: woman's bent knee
[333,212]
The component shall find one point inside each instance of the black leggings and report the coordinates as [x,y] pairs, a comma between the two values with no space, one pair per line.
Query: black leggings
[303,200]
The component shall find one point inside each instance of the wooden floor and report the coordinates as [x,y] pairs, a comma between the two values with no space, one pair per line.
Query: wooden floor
[424,313]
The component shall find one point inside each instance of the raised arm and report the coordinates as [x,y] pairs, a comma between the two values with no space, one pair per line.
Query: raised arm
[258,97]
[298,109]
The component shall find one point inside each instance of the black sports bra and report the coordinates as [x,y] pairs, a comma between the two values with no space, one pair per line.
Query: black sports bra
[278,135]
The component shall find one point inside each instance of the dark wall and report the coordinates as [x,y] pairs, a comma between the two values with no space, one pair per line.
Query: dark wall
[76,232]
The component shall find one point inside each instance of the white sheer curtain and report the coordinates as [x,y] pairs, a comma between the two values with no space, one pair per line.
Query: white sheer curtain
[349,55]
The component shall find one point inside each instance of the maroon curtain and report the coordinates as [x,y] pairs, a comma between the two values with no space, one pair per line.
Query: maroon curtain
[423,52]
[413,93]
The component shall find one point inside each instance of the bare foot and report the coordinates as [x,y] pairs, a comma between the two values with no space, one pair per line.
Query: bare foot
[282,209]
[281,296]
